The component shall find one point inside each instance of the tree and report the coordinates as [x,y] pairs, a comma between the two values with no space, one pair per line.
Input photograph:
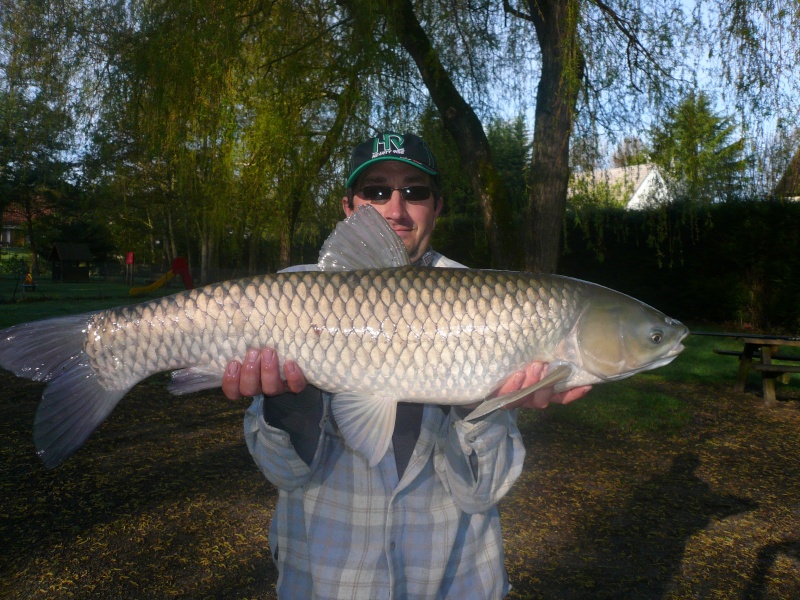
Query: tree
[617,59]
[697,151]
[511,153]
[462,123]
[222,121]
[631,151]
[36,124]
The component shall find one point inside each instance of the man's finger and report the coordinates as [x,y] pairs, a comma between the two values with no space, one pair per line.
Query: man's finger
[271,382]
[230,380]
[568,396]
[532,373]
[295,380]
[250,374]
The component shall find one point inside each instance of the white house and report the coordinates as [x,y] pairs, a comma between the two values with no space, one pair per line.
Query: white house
[637,186]
[12,231]
[788,187]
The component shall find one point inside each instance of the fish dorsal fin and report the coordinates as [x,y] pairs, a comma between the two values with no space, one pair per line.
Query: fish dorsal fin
[560,373]
[366,422]
[364,240]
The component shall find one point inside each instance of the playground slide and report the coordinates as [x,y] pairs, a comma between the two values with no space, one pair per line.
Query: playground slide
[179,267]
[153,286]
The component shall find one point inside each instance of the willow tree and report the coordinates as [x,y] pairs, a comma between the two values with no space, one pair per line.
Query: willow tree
[229,117]
[307,63]
[232,111]
[605,66]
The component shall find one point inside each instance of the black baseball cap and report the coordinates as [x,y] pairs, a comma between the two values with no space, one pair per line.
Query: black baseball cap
[388,145]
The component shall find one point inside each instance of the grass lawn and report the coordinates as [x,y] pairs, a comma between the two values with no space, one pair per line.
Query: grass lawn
[55,299]
[665,485]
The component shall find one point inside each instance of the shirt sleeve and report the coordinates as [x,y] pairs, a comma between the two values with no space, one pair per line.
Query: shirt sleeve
[272,449]
[483,459]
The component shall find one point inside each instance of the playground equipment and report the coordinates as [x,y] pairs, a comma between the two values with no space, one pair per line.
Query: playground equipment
[29,284]
[179,267]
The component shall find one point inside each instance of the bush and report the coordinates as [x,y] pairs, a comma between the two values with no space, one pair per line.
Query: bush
[12,264]
[736,262]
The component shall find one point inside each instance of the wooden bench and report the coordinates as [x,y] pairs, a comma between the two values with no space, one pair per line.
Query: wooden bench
[782,372]
[756,355]
[770,372]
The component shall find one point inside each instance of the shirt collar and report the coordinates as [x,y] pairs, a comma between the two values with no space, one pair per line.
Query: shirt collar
[426,260]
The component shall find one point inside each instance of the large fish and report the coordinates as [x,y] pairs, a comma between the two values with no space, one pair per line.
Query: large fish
[367,326]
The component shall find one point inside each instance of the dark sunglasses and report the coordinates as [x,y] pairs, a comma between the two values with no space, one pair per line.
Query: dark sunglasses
[383,193]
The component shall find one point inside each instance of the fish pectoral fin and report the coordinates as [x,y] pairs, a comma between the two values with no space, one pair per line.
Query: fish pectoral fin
[560,373]
[366,421]
[193,379]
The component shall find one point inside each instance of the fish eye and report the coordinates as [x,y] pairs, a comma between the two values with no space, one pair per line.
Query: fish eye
[656,336]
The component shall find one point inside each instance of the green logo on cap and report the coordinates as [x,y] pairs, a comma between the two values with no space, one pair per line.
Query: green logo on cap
[391,142]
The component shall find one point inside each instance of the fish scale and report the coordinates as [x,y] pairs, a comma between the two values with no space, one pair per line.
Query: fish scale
[433,333]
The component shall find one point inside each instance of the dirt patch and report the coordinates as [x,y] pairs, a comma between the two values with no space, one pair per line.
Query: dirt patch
[164,501]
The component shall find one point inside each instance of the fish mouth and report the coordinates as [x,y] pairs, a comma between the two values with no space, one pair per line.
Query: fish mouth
[667,357]
[661,361]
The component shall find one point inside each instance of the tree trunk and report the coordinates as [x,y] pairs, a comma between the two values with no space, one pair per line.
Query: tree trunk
[301,189]
[28,205]
[465,127]
[253,245]
[285,247]
[170,243]
[563,66]
[208,249]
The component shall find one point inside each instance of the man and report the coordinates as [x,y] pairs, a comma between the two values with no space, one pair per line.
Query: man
[423,522]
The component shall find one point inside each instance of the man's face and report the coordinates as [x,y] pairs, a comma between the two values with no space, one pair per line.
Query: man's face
[412,220]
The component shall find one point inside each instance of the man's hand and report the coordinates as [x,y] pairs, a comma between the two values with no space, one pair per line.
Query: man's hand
[540,398]
[259,374]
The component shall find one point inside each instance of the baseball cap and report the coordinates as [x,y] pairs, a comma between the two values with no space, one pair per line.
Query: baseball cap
[388,145]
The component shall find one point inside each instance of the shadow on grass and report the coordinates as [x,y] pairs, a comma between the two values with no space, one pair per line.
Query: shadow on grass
[644,542]
[767,560]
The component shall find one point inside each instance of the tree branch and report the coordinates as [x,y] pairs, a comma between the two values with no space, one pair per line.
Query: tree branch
[515,12]
[623,25]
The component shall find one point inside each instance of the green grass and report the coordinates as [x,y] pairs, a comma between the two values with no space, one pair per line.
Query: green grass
[57,299]
[630,407]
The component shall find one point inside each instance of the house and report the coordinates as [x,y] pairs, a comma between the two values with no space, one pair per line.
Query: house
[788,187]
[636,187]
[12,229]
[70,262]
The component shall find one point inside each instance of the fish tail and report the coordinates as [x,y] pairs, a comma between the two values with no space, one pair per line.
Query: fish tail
[74,402]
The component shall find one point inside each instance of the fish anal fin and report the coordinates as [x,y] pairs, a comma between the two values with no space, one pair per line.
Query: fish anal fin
[560,373]
[366,421]
[193,379]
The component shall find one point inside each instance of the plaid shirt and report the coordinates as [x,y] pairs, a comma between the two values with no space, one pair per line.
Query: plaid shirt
[344,530]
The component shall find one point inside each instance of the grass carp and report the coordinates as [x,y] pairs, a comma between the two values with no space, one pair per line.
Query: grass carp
[367,326]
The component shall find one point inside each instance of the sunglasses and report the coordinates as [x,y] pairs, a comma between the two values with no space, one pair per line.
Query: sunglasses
[383,193]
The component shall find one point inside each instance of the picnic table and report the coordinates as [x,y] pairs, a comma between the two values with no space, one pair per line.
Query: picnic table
[758,354]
